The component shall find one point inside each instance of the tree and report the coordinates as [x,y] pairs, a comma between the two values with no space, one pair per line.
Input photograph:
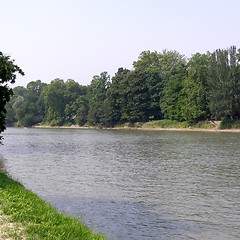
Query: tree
[127,99]
[150,66]
[116,97]
[173,70]
[97,96]
[14,103]
[73,91]
[8,74]
[55,102]
[82,110]
[195,104]
[31,111]
[223,82]
[138,99]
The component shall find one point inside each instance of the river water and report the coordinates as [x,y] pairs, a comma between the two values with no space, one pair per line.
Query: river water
[133,185]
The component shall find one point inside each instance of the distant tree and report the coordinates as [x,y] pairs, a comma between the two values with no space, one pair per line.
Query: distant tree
[137,106]
[82,109]
[73,90]
[73,93]
[150,66]
[14,103]
[8,74]
[19,91]
[237,84]
[31,111]
[195,104]
[174,71]
[55,102]
[116,97]
[97,96]
[224,82]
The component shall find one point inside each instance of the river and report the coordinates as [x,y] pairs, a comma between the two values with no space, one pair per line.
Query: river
[133,185]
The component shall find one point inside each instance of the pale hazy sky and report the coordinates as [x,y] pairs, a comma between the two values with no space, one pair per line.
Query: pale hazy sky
[77,39]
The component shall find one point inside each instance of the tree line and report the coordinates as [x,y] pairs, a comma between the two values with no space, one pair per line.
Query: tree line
[161,85]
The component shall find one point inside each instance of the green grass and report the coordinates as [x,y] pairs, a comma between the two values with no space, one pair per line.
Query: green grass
[230,124]
[204,124]
[166,124]
[38,219]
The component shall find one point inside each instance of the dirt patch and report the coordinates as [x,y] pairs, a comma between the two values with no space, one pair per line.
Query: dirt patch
[10,230]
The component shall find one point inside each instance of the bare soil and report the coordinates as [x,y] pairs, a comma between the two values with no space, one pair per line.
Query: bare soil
[10,230]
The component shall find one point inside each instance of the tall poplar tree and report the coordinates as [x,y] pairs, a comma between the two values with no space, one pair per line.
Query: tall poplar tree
[117,96]
[224,83]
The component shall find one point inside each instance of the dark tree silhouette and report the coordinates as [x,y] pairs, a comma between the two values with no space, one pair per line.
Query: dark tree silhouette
[8,71]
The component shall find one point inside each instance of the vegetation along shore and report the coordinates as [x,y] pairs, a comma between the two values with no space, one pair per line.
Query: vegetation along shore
[23,215]
[164,125]
[161,86]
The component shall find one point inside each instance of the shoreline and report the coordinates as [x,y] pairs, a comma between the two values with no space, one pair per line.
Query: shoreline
[189,129]
[24,215]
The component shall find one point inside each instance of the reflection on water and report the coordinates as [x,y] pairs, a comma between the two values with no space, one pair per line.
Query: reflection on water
[134,185]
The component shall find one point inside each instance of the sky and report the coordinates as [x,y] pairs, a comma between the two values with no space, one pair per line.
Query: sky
[77,39]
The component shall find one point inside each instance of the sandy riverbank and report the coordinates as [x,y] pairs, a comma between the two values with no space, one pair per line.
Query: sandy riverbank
[146,128]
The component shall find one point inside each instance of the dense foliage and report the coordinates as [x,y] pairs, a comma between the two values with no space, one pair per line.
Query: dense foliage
[162,85]
[8,71]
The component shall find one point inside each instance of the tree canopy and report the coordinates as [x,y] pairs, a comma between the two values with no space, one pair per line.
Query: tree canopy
[161,85]
[8,74]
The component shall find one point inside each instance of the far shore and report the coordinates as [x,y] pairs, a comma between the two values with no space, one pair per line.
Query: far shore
[189,129]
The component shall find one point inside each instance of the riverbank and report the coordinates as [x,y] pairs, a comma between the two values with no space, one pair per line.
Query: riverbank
[145,127]
[23,215]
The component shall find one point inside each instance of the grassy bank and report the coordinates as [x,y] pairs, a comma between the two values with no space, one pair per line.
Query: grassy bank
[165,124]
[168,124]
[230,124]
[220,126]
[23,215]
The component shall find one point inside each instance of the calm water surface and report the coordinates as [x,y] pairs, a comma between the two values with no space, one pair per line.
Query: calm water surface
[133,185]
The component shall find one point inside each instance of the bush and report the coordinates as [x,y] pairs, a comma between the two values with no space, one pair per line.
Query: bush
[204,124]
[56,122]
[229,124]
